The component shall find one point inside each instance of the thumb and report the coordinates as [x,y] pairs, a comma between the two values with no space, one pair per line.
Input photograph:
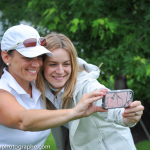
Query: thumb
[100,109]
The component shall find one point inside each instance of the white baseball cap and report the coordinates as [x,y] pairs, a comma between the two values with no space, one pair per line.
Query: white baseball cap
[15,36]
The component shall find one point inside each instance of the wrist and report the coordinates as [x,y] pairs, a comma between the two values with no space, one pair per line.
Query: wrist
[72,114]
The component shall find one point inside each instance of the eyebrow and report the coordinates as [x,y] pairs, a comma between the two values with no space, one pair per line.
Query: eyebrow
[56,62]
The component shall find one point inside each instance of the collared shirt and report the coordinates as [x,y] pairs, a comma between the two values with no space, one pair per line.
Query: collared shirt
[18,138]
[53,99]
[56,101]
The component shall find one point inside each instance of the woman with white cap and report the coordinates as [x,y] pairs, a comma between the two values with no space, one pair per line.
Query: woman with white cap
[22,109]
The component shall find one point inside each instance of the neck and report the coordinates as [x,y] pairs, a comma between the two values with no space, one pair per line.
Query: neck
[28,88]
[53,89]
[54,92]
[24,84]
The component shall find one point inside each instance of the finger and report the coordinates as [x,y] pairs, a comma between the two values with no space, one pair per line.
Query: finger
[128,115]
[134,109]
[104,90]
[136,118]
[100,109]
[135,103]
[95,93]
[93,99]
[133,121]
[139,113]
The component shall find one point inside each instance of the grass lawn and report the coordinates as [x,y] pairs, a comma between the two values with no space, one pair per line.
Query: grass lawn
[145,145]
[50,141]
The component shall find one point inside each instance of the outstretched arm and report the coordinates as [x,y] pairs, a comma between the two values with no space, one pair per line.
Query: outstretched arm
[13,115]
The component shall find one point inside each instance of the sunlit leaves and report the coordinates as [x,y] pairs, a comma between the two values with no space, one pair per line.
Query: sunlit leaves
[102,27]
[75,23]
[139,59]
[48,12]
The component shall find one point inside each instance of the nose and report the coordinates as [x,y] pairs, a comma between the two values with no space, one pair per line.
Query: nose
[36,62]
[60,69]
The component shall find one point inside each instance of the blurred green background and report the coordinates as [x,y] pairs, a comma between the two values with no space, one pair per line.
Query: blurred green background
[116,33]
[144,145]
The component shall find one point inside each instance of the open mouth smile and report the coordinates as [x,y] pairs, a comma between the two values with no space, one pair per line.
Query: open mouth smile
[59,78]
[32,71]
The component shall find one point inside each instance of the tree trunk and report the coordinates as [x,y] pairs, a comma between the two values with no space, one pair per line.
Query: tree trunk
[120,82]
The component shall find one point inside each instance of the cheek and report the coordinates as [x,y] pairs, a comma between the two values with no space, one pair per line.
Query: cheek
[47,71]
[46,75]
[68,70]
[41,62]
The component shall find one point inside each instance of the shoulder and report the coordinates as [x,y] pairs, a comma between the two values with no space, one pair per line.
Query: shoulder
[6,81]
[4,93]
[92,85]
[86,85]
[6,97]
[4,85]
[86,79]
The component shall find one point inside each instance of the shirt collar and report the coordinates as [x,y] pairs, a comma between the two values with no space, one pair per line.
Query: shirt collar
[14,85]
[47,86]
[62,90]
[12,82]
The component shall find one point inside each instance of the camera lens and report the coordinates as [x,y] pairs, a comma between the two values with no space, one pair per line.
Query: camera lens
[130,94]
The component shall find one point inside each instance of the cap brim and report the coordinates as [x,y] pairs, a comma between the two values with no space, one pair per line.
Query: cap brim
[34,51]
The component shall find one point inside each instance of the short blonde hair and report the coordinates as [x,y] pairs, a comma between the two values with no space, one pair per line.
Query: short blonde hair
[55,41]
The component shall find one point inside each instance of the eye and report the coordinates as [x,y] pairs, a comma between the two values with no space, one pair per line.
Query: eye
[39,57]
[27,58]
[52,65]
[67,64]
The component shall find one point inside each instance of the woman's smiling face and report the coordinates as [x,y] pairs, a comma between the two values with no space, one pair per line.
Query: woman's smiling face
[24,69]
[57,69]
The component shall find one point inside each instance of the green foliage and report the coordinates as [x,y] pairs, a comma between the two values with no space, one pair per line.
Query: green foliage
[108,81]
[113,32]
[13,12]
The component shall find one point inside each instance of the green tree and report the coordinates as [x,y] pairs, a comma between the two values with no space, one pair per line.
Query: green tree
[113,32]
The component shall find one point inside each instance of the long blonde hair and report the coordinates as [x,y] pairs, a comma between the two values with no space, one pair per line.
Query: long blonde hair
[55,41]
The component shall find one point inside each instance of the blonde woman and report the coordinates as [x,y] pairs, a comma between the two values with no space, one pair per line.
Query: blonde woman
[65,83]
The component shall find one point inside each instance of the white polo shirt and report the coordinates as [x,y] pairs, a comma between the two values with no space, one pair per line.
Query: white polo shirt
[18,139]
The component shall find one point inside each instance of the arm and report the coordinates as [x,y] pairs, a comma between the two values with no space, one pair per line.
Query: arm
[125,117]
[13,115]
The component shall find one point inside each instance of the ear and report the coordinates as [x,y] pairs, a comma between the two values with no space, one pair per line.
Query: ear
[5,57]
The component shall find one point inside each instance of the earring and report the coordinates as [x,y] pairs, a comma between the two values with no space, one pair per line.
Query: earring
[7,64]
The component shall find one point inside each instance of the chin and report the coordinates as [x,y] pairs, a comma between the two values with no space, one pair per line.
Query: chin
[31,79]
[57,87]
